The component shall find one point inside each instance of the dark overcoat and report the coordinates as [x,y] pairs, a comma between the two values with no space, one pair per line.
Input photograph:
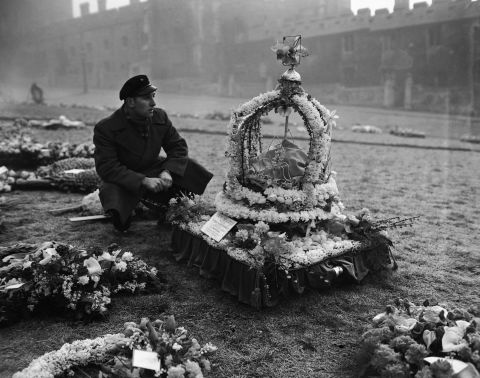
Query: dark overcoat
[123,158]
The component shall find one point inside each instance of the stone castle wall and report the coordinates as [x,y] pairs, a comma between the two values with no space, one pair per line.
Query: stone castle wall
[407,58]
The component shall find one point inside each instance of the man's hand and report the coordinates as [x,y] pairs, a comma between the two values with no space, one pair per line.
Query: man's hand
[166,179]
[153,184]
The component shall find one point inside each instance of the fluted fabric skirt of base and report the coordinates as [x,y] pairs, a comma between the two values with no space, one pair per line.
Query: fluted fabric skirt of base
[258,288]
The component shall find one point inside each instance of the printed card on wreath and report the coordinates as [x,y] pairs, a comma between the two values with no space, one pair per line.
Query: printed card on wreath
[218,226]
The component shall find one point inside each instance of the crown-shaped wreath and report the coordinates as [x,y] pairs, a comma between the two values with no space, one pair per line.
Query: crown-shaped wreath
[284,175]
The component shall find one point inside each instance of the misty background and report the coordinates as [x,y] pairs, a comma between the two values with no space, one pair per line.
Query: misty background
[415,56]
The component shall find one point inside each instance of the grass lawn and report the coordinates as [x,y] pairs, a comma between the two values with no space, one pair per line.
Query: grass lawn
[313,335]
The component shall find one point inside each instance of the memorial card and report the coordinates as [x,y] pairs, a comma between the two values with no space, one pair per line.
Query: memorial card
[218,226]
[146,360]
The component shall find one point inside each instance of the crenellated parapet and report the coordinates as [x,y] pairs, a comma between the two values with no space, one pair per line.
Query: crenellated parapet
[93,22]
[439,11]
[422,13]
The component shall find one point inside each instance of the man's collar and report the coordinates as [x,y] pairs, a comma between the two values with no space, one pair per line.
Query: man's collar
[131,119]
[121,121]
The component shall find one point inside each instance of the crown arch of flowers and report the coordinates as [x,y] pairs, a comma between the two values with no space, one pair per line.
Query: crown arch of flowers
[245,138]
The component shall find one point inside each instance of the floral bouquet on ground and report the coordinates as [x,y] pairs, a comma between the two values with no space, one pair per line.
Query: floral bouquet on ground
[55,276]
[293,245]
[147,349]
[18,148]
[428,341]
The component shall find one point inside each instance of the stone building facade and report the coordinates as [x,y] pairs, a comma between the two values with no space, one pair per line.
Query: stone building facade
[425,58]
[18,18]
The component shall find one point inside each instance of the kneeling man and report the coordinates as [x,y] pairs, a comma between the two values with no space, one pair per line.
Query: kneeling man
[127,148]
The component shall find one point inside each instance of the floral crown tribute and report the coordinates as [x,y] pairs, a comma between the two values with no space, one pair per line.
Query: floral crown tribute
[283,176]
[283,205]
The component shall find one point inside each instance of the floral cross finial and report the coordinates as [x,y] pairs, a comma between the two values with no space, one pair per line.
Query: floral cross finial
[290,50]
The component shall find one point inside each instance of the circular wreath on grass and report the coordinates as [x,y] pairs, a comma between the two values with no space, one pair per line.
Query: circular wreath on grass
[176,352]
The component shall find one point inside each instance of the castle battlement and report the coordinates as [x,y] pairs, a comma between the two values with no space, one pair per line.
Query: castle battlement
[422,13]
[94,21]
[438,12]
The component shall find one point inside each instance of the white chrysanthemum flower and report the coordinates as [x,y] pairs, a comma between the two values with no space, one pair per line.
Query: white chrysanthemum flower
[127,256]
[262,227]
[209,348]
[193,369]
[175,372]
[176,347]
[242,235]
[121,266]
[83,280]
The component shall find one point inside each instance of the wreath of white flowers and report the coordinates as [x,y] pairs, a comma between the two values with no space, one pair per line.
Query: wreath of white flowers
[78,353]
[242,129]
[237,210]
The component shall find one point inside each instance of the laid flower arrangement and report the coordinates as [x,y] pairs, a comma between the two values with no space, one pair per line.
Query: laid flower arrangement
[7,178]
[290,245]
[285,201]
[71,281]
[407,132]
[426,341]
[146,349]
[20,149]
[284,183]
[72,174]
[470,138]
[245,143]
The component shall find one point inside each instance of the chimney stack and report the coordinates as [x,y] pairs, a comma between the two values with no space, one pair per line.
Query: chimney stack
[84,9]
[102,5]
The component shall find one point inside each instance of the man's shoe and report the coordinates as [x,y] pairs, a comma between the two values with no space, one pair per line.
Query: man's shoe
[161,218]
[117,223]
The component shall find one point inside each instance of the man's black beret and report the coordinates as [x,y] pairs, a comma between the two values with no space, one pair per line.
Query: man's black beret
[136,86]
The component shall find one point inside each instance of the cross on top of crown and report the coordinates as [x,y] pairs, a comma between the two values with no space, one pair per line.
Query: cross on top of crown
[290,50]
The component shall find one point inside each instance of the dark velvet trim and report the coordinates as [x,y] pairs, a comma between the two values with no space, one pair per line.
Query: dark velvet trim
[241,281]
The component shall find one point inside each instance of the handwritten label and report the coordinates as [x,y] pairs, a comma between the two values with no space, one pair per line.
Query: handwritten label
[218,226]
[146,360]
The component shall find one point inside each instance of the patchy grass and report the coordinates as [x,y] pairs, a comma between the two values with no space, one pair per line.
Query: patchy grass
[313,335]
